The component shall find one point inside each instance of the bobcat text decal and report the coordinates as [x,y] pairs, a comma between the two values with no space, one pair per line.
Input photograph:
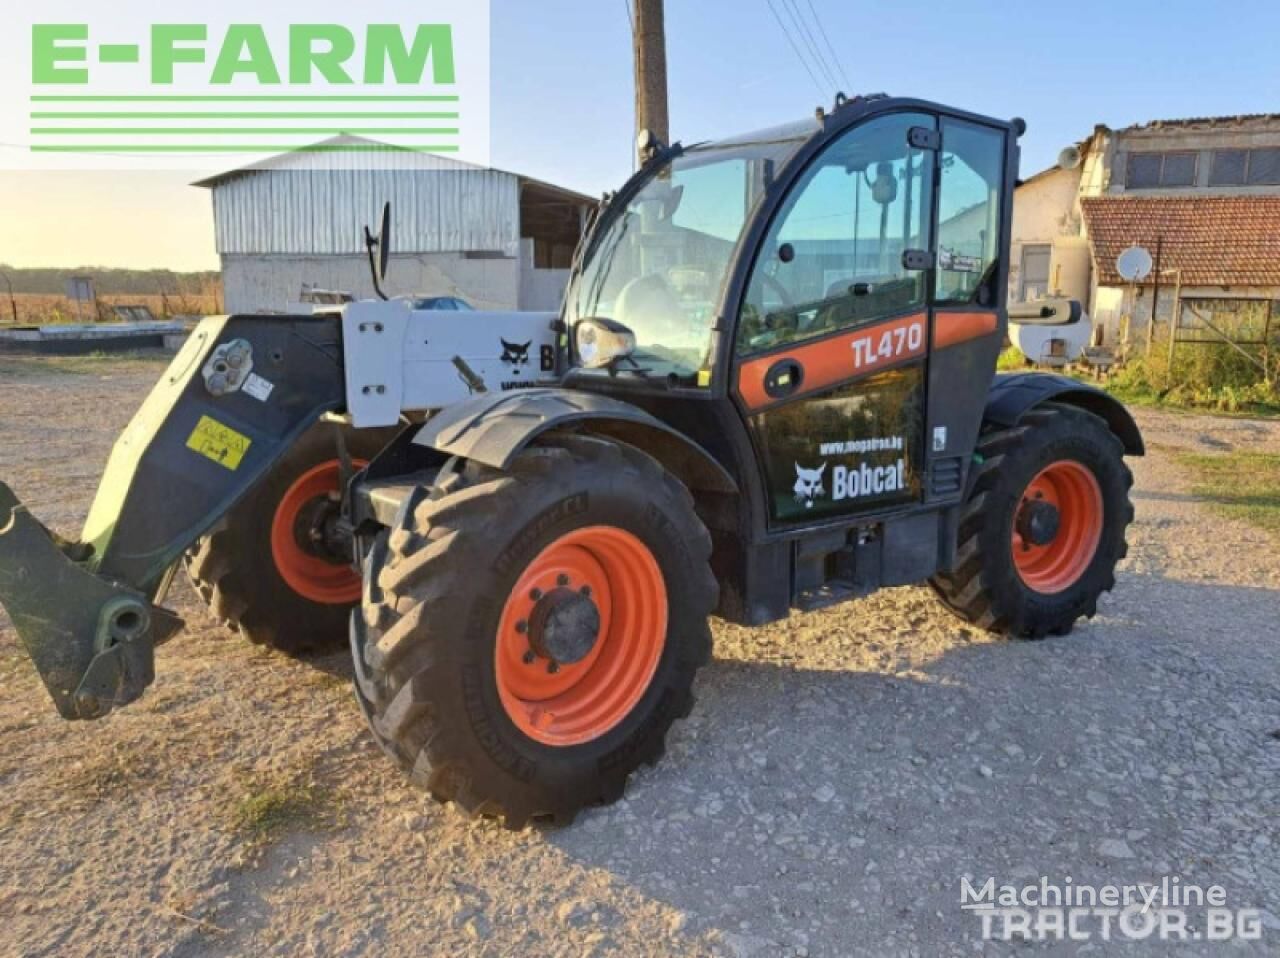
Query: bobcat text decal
[849,482]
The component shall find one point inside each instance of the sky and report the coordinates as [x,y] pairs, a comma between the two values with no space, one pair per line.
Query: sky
[562,107]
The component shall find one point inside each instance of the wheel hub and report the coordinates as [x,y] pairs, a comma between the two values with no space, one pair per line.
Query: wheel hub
[1058,527]
[1038,522]
[580,636]
[316,530]
[564,626]
[307,545]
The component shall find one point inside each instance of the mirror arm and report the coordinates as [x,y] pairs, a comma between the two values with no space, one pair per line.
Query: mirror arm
[1050,312]
[371,243]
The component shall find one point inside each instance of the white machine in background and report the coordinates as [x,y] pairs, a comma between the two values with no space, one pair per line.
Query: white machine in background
[1052,346]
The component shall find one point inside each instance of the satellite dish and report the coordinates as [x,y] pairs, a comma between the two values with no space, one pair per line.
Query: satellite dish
[1134,264]
[1069,158]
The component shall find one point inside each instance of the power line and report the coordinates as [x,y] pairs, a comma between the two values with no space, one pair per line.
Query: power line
[796,49]
[811,44]
[826,38]
[631,17]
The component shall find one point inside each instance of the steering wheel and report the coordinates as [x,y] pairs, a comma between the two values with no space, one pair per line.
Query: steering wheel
[649,303]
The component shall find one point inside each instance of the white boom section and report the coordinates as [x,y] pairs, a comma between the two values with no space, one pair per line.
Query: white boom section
[401,360]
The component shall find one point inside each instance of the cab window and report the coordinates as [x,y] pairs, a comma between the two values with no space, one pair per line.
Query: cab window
[833,258]
[969,213]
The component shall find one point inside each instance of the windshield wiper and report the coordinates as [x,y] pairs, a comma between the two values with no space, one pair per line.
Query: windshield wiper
[636,369]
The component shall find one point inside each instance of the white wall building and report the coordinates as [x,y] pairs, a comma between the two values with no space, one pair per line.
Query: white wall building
[499,240]
[1205,190]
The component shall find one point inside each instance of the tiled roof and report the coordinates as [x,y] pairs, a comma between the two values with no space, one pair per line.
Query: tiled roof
[1214,240]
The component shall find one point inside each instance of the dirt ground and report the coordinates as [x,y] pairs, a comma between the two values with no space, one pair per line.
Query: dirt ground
[840,775]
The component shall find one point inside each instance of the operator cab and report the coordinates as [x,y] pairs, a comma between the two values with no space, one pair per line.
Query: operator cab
[834,286]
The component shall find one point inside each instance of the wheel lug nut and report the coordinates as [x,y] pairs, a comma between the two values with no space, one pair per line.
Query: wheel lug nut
[522,626]
[529,657]
[562,580]
[586,591]
[535,594]
[553,668]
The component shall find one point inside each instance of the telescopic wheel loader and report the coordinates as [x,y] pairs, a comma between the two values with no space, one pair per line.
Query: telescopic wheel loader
[771,387]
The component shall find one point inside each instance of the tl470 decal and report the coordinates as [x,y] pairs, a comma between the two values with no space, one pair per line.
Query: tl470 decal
[888,344]
[833,360]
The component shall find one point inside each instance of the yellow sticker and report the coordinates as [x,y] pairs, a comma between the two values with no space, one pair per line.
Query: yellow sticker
[220,443]
[704,378]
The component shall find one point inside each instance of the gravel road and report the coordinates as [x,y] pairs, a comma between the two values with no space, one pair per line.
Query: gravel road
[840,775]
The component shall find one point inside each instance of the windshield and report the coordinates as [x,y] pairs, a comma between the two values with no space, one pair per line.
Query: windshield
[659,265]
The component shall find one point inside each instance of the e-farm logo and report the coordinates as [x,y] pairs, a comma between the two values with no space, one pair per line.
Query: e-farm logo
[409,79]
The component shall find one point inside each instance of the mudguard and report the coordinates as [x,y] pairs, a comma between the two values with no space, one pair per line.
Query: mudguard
[199,443]
[1013,396]
[493,428]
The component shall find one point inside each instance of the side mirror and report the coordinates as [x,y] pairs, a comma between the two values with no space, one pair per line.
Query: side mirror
[1049,312]
[381,244]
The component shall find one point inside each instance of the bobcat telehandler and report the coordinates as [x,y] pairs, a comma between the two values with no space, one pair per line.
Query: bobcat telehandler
[771,387]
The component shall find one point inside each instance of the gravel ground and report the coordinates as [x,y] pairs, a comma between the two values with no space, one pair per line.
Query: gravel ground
[841,772]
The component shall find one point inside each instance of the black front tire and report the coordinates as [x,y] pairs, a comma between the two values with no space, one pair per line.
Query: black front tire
[435,588]
[985,587]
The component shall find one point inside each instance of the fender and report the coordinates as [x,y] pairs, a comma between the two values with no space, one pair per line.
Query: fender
[493,428]
[1012,396]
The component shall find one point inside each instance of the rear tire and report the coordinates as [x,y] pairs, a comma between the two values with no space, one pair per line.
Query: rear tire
[1005,584]
[435,672]
[234,569]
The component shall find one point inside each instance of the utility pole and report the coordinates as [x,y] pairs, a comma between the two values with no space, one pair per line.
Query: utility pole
[650,38]
[1155,296]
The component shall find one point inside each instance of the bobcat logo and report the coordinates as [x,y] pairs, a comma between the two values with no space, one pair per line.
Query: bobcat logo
[809,484]
[515,354]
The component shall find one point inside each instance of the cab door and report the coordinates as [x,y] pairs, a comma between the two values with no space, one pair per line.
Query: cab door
[832,342]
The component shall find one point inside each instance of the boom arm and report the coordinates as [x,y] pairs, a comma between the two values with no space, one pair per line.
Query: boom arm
[232,402]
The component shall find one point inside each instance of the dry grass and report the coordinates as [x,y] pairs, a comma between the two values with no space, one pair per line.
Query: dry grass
[44,309]
[269,807]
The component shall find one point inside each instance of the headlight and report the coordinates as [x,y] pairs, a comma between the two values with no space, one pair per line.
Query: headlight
[602,342]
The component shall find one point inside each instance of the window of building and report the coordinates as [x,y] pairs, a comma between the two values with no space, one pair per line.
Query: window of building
[1264,167]
[1228,167]
[1144,171]
[1179,169]
[1246,167]
[1149,171]
[1036,260]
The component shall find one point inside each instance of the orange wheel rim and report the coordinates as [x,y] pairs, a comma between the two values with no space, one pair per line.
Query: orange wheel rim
[311,576]
[572,703]
[1058,564]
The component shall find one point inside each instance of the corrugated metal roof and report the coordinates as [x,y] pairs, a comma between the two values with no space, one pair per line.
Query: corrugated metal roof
[324,211]
[317,203]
